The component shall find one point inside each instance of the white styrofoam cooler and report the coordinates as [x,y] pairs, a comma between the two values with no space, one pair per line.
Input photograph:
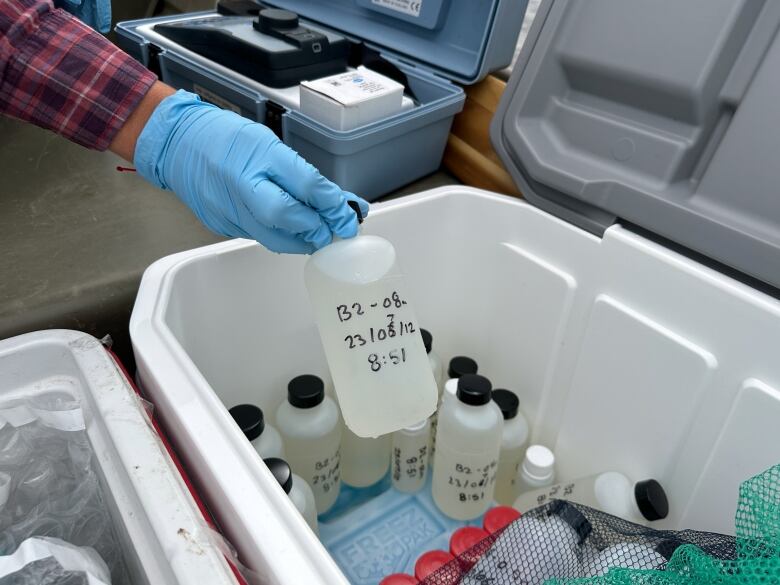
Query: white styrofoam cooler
[161,531]
[626,356]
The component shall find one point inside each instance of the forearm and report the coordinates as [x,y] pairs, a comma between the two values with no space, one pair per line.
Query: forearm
[60,74]
[124,142]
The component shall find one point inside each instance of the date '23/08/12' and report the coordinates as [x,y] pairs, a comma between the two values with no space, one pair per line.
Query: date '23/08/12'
[391,329]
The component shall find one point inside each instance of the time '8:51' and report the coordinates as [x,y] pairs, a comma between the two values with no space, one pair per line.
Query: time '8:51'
[392,357]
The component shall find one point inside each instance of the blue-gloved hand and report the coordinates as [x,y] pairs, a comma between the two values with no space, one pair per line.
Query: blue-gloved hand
[240,179]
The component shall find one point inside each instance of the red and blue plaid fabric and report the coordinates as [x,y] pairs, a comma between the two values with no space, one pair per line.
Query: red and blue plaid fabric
[59,74]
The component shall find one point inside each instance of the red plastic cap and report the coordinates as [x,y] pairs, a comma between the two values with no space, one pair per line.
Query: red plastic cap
[499,518]
[464,538]
[399,579]
[431,562]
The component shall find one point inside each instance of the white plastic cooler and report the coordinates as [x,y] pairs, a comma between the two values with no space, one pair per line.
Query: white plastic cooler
[633,307]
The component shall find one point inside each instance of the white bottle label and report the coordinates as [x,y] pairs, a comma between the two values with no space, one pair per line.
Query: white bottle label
[377,326]
[327,473]
[463,481]
[409,466]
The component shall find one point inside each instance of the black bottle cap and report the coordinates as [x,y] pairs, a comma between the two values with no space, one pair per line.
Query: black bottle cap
[474,389]
[353,205]
[250,419]
[279,19]
[508,402]
[573,517]
[461,365]
[305,391]
[427,340]
[651,499]
[282,472]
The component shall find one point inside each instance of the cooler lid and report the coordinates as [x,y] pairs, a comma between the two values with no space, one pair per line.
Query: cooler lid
[659,114]
[463,40]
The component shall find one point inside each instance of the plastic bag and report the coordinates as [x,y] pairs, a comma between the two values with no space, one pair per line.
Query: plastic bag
[51,560]
[52,487]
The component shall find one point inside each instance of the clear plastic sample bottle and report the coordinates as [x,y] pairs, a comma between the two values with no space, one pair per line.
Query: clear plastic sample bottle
[611,492]
[468,442]
[627,555]
[364,460]
[411,452]
[311,429]
[264,438]
[536,471]
[296,488]
[458,366]
[370,334]
[513,444]
[433,358]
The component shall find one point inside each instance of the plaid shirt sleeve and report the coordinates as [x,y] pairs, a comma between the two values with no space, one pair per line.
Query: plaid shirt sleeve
[61,75]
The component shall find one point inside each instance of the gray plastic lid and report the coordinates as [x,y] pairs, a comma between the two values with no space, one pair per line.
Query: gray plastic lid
[662,114]
[462,40]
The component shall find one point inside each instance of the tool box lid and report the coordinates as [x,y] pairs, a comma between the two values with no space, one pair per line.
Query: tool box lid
[661,115]
[461,40]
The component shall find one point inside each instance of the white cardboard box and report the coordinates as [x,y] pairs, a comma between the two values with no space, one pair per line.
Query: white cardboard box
[348,100]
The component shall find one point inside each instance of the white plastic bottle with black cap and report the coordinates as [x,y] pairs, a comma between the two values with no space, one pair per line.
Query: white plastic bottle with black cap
[536,471]
[514,441]
[411,453]
[311,429]
[468,442]
[433,358]
[611,492]
[458,366]
[264,438]
[296,488]
[539,547]
[370,335]
[626,555]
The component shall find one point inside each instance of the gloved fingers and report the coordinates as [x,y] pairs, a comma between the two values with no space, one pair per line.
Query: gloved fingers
[300,179]
[271,206]
[304,182]
[278,240]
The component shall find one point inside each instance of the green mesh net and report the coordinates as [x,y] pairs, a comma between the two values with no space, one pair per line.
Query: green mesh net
[582,546]
[757,560]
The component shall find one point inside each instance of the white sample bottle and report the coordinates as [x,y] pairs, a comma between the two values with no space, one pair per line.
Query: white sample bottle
[537,548]
[459,365]
[468,442]
[411,452]
[513,445]
[433,358]
[610,492]
[364,460]
[536,471]
[372,342]
[296,488]
[264,438]
[627,555]
[311,429]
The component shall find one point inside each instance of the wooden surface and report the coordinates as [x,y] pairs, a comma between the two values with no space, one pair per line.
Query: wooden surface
[470,155]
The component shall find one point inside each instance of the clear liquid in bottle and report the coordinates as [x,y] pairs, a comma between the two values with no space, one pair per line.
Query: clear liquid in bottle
[371,337]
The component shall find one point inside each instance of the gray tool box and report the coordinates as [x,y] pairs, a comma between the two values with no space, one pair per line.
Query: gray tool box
[433,45]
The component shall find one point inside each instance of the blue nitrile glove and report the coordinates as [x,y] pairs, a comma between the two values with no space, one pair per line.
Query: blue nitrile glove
[240,179]
[95,13]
